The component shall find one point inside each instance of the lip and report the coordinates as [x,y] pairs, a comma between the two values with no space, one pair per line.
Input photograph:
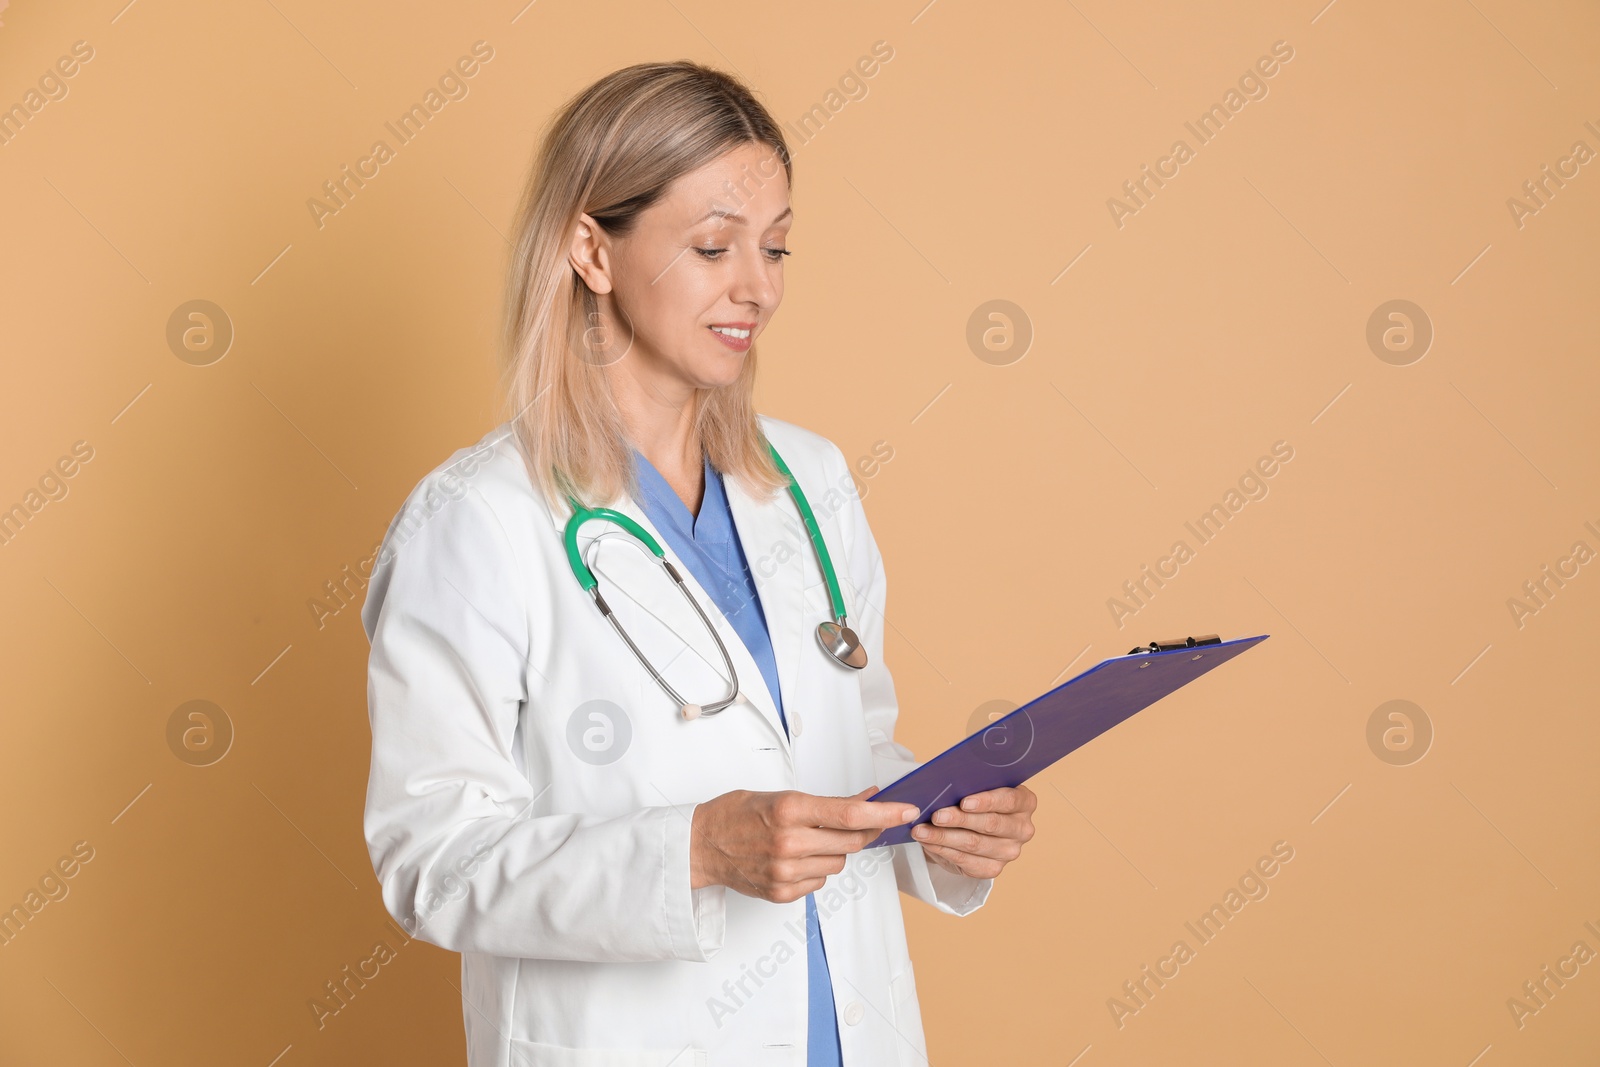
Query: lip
[738,344]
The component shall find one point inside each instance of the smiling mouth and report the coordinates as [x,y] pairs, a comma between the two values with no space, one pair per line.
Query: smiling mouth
[731,331]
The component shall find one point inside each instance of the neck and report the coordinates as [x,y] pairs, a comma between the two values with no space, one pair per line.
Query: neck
[659,417]
[660,423]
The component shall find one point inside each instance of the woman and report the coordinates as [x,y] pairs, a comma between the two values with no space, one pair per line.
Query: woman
[539,800]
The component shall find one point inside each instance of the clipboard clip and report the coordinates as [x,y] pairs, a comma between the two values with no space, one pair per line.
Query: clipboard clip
[1177,642]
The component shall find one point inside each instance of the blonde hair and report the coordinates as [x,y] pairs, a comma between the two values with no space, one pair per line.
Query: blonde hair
[611,152]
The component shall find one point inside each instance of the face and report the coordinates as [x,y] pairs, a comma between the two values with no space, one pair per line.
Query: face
[697,280]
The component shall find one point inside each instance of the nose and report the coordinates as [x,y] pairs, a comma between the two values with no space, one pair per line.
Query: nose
[753,282]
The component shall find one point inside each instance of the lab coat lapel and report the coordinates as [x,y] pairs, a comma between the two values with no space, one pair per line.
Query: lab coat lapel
[653,592]
[766,530]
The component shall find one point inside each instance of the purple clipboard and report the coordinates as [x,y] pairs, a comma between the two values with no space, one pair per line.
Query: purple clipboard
[1025,742]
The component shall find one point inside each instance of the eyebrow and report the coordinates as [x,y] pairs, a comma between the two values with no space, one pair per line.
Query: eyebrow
[734,216]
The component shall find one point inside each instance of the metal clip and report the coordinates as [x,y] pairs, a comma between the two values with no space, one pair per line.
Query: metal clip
[1176,643]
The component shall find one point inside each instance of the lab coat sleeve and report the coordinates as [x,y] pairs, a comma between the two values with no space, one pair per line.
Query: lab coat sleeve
[462,861]
[955,894]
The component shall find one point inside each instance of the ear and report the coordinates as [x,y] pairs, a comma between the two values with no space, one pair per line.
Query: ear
[589,254]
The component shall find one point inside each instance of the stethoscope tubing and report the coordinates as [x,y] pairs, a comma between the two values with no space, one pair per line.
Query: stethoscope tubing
[713,708]
[848,653]
[835,598]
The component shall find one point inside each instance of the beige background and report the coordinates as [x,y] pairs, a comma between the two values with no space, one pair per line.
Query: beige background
[1229,313]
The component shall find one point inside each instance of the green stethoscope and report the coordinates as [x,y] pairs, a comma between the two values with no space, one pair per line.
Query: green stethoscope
[834,635]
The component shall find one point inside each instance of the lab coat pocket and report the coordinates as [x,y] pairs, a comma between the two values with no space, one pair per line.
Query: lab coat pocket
[818,603]
[539,1054]
[901,987]
[903,994]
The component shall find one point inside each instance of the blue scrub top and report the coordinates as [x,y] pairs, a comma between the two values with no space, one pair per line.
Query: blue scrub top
[708,544]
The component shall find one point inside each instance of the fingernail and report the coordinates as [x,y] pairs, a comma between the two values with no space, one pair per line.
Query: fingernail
[907,814]
[969,804]
[941,816]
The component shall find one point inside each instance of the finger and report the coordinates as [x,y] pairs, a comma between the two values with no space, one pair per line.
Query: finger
[818,865]
[1005,799]
[968,841]
[795,808]
[854,813]
[1018,825]
[994,850]
[823,841]
[993,823]
[788,892]
[965,863]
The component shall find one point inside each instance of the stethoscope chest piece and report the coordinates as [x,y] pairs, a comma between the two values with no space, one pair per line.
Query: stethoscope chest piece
[835,635]
[841,642]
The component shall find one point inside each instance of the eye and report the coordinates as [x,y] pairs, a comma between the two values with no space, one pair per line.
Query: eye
[774,255]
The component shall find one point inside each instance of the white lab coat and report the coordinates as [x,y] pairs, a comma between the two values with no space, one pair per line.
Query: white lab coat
[532,787]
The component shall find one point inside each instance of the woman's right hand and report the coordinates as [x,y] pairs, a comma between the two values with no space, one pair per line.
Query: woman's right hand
[781,846]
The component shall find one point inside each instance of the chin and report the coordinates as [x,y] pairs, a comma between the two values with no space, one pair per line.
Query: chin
[719,382]
[723,373]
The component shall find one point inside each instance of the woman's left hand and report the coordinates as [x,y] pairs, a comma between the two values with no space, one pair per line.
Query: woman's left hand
[983,835]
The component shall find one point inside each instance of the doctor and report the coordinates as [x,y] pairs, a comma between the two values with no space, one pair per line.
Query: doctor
[638,809]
